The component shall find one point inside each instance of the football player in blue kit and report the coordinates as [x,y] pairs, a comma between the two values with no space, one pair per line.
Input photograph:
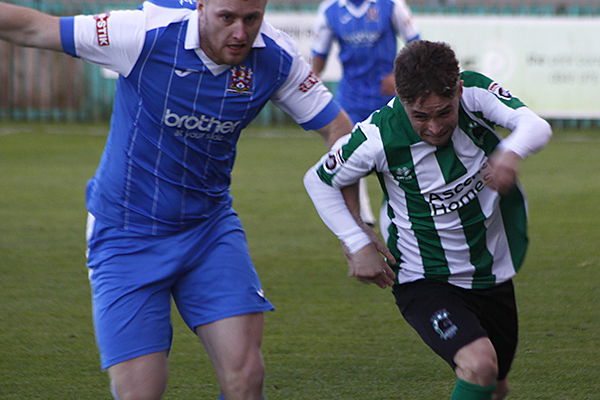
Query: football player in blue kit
[367,33]
[161,224]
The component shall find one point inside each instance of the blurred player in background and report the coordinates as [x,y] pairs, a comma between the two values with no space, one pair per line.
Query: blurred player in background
[367,32]
[456,230]
[161,224]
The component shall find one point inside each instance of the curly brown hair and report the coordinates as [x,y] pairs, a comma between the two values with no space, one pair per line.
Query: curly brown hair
[423,67]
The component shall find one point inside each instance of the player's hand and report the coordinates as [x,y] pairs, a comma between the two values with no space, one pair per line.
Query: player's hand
[502,170]
[381,248]
[367,265]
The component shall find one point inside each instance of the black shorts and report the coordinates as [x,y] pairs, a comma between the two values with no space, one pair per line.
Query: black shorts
[448,317]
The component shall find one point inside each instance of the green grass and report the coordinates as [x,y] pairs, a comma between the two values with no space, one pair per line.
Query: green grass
[330,337]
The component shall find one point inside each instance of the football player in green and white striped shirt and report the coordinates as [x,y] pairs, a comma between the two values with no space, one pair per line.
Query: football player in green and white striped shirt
[454,218]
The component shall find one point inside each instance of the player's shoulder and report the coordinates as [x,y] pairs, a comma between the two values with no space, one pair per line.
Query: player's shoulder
[326,5]
[477,86]
[277,40]
[400,6]
[175,4]
[160,13]
[399,3]
[376,123]
[475,79]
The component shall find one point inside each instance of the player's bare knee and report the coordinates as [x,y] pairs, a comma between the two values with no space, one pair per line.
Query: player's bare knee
[138,393]
[477,362]
[481,372]
[246,379]
[143,378]
[138,390]
[481,369]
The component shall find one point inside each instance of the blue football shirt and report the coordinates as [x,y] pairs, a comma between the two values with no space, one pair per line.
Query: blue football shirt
[177,115]
[367,34]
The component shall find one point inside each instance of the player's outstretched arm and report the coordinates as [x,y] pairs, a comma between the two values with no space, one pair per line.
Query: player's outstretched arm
[366,264]
[362,247]
[28,27]
[341,125]
[318,64]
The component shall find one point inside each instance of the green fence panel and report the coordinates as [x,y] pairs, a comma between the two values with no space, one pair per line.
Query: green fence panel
[39,85]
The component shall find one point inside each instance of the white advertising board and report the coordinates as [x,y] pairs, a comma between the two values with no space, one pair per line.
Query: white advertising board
[551,63]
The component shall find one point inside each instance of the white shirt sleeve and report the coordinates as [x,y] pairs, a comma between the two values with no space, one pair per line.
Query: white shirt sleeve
[323,35]
[529,132]
[403,22]
[328,199]
[112,40]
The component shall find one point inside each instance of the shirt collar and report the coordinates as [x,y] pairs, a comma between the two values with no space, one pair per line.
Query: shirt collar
[192,42]
[346,3]
[355,11]
[192,38]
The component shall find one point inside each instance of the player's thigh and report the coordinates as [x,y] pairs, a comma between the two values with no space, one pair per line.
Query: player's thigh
[130,278]
[223,282]
[437,312]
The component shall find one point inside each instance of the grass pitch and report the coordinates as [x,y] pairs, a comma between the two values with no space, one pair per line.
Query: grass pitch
[330,337]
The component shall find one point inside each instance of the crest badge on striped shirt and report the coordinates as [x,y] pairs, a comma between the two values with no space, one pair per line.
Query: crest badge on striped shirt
[241,80]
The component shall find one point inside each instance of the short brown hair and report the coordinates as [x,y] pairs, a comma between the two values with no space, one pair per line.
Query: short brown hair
[423,67]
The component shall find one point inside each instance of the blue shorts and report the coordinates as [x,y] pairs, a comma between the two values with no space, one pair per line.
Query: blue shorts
[206,269]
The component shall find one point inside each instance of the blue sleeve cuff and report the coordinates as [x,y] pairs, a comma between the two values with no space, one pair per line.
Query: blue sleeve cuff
[326,115]
[67,35]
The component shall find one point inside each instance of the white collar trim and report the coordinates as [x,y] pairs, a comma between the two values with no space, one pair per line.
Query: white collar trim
[355,11]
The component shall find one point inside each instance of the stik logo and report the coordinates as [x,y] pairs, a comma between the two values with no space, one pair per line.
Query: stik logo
[102,29]
[310,81]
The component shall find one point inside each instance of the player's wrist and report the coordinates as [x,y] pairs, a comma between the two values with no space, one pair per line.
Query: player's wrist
[355,240]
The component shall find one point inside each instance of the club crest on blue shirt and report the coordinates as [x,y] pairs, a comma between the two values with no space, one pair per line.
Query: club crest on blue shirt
[373,13]
[241,80]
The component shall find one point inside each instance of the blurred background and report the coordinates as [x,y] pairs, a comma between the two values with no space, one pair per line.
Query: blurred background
[331,337]
[545,52]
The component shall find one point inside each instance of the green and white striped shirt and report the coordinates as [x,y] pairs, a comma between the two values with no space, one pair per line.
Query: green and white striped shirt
[443,221]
